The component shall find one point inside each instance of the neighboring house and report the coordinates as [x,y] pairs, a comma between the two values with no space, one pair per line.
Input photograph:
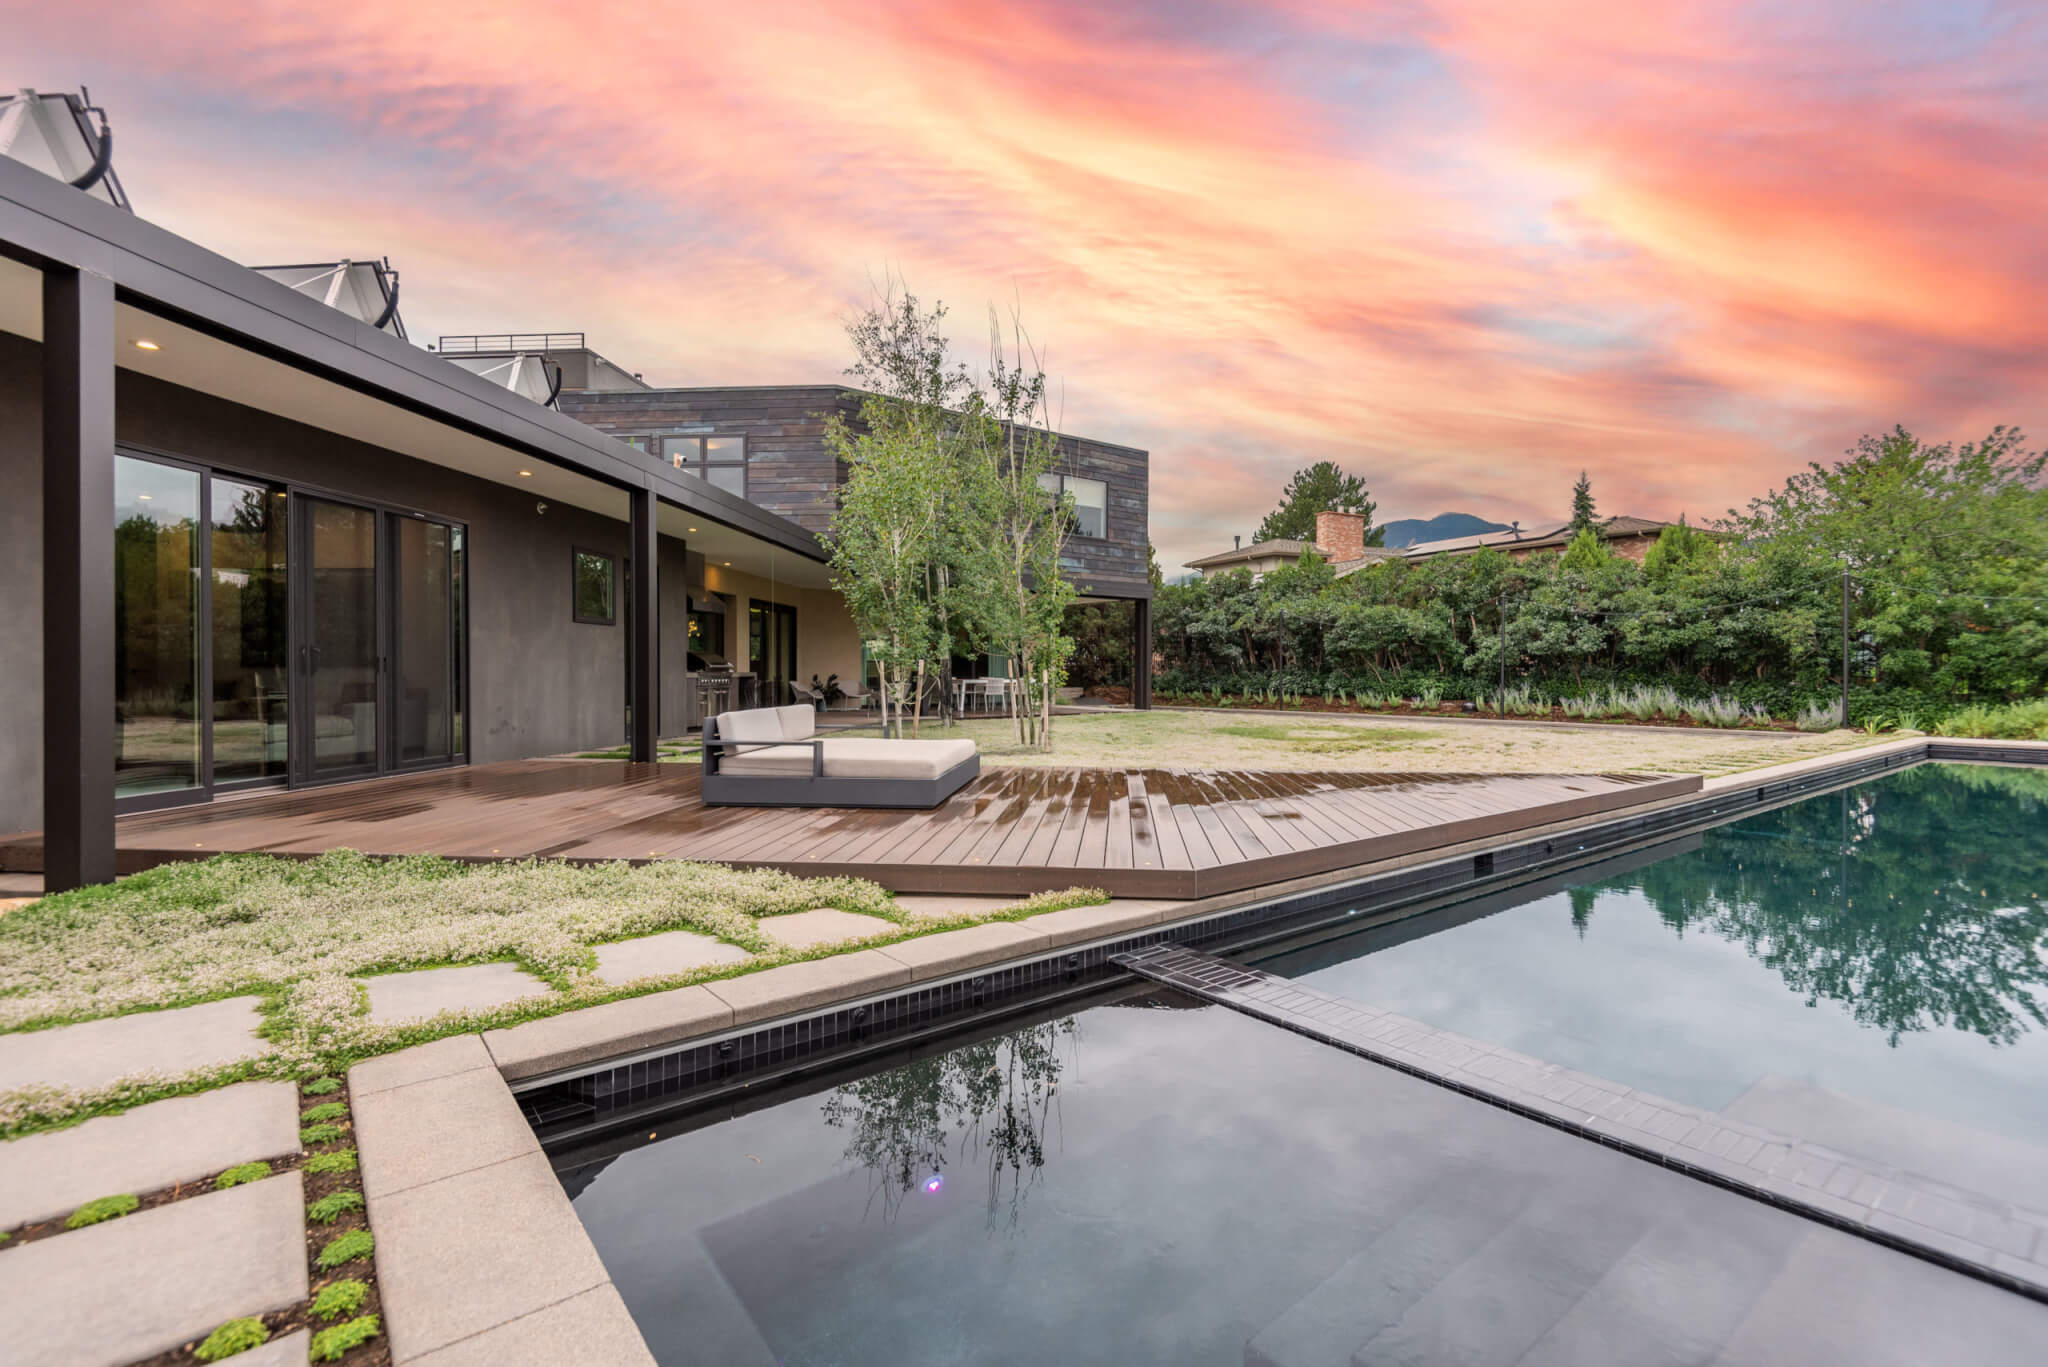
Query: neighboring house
[1630,537]
[1339,539]
[253,540]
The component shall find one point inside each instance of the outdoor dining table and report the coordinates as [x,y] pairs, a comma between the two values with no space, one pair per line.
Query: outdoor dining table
[993,692]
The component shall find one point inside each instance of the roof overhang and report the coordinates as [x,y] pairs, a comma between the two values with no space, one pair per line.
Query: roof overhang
[226,330]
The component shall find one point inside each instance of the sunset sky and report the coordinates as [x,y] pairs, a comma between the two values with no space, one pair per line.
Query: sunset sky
[1463,248]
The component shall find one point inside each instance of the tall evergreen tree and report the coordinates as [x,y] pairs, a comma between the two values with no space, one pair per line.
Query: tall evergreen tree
[1322,487]
[1583,517]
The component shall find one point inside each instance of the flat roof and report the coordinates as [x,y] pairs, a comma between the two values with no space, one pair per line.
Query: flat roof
[44,223]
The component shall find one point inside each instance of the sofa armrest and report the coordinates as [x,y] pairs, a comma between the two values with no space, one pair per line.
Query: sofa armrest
[713,748]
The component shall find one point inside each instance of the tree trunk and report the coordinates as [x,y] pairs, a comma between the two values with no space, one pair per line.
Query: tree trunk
[917,703]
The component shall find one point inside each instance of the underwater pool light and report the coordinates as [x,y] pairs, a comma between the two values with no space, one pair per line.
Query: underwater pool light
[933,1183]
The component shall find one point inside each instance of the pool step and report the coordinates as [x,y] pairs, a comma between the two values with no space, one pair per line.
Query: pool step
[1494,1271]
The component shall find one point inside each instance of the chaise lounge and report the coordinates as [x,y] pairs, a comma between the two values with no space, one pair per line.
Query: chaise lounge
[772,757]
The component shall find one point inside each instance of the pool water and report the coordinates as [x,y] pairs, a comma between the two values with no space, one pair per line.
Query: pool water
[1153,1181]
[1867,968]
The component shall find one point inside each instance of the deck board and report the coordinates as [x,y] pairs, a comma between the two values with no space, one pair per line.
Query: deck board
[1136,832]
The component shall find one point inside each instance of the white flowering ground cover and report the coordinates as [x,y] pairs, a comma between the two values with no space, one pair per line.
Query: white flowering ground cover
[298,932]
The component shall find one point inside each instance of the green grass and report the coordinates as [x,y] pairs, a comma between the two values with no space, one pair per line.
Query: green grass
[241,1174]
[331,1345]
[345,1247]
[103,1208]
[337,1160]
[236,1336]
[336,1299]
[321,1086]
[332,1110]
[333,1206]
[319,1134]
[1328,739]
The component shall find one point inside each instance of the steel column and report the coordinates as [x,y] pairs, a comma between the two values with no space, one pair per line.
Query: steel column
[1141,654]
[643,630]
[78,579]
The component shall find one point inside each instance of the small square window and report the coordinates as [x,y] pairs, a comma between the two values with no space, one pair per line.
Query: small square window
[1090,507]
[596,587]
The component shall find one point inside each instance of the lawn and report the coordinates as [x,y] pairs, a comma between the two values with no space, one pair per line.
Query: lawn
[301,934]
[1171,739]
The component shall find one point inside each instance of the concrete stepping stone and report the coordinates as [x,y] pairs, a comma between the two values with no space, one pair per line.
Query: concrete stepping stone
[98,1053]
[396,997]
[825,926]
[146,1149]
[288,1351]
[659,956]
[134,1287]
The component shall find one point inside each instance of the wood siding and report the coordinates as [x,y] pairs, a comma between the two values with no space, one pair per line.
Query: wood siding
[790,473]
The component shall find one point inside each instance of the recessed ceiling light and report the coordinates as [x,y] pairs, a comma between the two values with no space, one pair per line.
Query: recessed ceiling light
[693,529]
[146,345]
[145,497]
[728,564]
[526,474]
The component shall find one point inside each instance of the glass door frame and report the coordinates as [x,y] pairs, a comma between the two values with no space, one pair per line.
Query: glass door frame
[386,596]
[295,552]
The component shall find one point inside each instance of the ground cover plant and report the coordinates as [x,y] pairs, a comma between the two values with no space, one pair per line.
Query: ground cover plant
[101,1209]
[236,1336]
[299,934]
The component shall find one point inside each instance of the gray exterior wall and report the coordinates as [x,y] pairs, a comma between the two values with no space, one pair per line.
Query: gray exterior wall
[539,682]
[790,472]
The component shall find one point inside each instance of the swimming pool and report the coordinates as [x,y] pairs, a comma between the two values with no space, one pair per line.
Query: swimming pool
[1151,1179]
[1867,969]
[1151,1182]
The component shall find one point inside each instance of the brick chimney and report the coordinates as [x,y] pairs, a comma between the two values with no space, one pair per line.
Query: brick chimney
[1340,536]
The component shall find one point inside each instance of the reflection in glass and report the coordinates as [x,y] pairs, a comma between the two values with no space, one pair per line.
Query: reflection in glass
[993,1099]
[343,630]
[156,654]
[427,640]
[596,580]
[247,524]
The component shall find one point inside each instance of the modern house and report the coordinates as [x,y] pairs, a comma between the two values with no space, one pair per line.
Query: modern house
[254,540]
[1340,539]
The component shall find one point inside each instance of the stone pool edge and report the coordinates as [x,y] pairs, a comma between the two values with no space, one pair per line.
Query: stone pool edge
[441,1193]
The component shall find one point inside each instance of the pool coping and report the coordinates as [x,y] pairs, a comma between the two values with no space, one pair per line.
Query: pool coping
[1965,1231]
[958,976]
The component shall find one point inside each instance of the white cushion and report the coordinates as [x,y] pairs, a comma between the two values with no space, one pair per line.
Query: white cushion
[862,757]
[798,722]
[753,724]
[770,761]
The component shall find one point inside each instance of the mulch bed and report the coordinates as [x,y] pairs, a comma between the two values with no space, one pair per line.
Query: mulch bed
[1452,709]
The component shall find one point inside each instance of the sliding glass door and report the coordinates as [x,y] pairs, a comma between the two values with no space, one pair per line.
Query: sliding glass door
[771,645]
[263,635]
[380,641]
[340,659]
[159,732]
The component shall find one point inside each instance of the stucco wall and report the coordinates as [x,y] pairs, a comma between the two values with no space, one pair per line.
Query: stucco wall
[539,682]
[826,642]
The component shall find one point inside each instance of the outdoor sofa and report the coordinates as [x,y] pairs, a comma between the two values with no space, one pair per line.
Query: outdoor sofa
[773,757]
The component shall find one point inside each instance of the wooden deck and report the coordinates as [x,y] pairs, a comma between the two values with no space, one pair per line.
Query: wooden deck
[1137,832]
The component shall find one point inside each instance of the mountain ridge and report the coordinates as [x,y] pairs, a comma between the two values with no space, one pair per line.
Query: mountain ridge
[1413,531]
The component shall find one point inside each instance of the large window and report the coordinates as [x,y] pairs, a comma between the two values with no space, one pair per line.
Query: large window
[720,460]
[1091,502]
[158,731]
[250,733]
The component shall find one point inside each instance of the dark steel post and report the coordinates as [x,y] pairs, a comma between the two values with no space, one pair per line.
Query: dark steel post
[78,579]
[1501,707]
[1141,654]
[643,651]
[1845,645]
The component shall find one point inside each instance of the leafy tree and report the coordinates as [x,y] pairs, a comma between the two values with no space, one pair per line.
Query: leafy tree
[1585,554]
[1678,548]
[1322,487]
[888,533]
[1583,517]
[1013,530]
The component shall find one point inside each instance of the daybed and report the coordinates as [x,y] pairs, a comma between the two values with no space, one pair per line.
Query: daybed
[773,757]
